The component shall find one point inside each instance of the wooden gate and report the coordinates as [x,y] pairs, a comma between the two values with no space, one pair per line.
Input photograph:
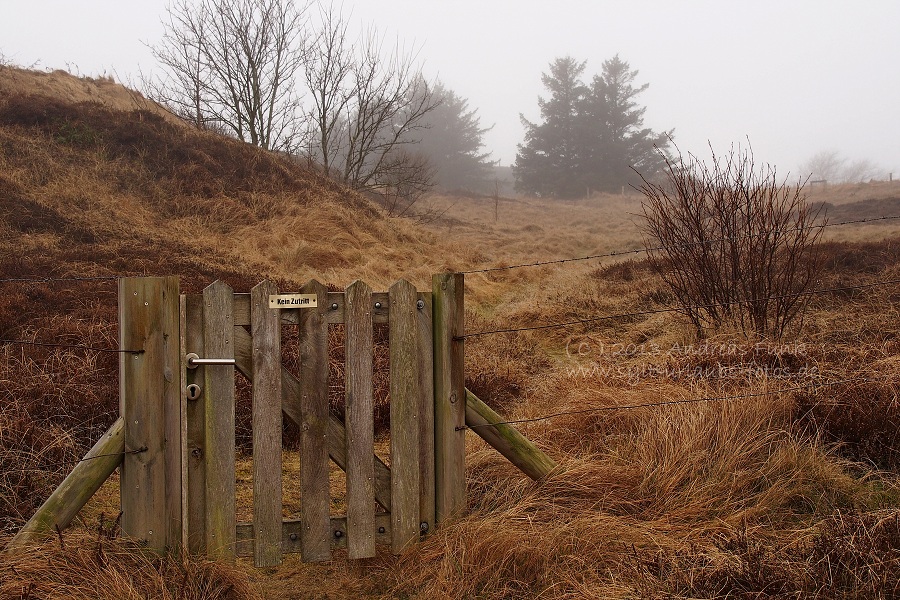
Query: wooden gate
[183,493]
[174,440]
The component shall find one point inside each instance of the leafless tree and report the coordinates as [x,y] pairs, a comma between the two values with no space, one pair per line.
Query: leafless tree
[237,66]
[367,105]
[328,66]
[860,171]
[231,64]
[826,165]
[735,244]
[830,166]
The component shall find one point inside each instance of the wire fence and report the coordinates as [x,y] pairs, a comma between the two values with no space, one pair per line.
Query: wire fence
[648,250]
[57,279]
[814,386]
[546,326]
[676,309]
[69,346]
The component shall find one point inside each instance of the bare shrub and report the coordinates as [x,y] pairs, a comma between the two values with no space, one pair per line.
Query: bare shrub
[406,179]
[735,244]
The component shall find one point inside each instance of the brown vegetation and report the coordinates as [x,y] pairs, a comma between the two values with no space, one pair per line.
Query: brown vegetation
[790,493]
[99,566]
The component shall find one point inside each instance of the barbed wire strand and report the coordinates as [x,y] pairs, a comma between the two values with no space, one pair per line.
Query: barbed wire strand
[531,264]
[814,385]
[72,346]
[659,248]
[678,309]
[55,279]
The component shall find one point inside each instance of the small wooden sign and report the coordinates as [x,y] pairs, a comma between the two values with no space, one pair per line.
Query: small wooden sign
[293,301]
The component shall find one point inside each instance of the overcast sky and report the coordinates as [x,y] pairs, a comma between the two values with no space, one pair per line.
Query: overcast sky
[794,76]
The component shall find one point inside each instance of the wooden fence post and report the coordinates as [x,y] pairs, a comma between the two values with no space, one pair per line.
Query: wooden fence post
[150,404]
[449,396]
[518,449]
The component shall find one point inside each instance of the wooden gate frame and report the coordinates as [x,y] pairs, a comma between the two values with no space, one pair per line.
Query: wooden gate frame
[183,494]
[163,499]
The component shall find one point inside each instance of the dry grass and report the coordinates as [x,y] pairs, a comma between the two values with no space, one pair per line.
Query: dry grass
[646,483]
[790,494]
[100,567]
[68,88]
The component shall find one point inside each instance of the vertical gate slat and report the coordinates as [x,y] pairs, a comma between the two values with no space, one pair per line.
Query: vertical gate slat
[449,396]
[360,430]
[218,394]
[192,334]
[405,384]
[265,327]
[176,431]
[315,493]
[183,429]
[426,412]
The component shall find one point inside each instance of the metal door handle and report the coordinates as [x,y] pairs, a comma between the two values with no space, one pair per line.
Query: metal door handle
[194,361]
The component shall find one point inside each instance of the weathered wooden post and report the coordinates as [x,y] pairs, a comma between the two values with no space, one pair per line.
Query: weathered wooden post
[449,396]
[518,449]
[58,511]
[150,405]
[218,396]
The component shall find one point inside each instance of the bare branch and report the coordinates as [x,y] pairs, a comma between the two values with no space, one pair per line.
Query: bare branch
[231,64]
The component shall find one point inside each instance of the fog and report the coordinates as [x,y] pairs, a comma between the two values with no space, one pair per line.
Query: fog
[795,78]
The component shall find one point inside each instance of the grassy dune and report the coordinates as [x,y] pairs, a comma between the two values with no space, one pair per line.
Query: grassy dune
[790,493]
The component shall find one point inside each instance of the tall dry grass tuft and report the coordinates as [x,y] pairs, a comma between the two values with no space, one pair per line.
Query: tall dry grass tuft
[643,481]
[99,567]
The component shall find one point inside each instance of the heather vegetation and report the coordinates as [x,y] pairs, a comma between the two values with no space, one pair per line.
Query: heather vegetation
[787,487]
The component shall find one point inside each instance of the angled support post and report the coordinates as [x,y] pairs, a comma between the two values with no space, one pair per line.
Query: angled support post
[74,492]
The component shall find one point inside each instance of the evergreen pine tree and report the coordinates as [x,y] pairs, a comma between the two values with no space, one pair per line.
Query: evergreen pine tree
[549,163]
[452,142]
[590,137]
